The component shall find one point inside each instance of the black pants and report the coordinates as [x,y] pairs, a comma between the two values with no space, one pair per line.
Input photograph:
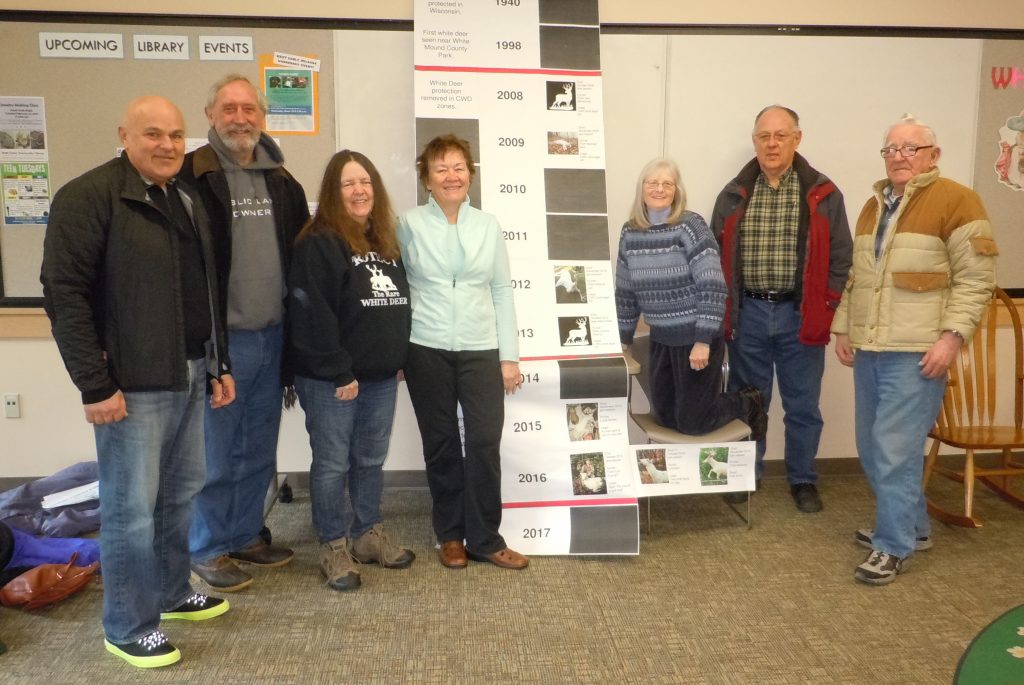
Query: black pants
[689,401]
[466,491]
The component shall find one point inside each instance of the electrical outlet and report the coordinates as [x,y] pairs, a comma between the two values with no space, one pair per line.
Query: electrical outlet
[12,405]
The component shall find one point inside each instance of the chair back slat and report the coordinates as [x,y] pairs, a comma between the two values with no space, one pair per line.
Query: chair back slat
[974,379]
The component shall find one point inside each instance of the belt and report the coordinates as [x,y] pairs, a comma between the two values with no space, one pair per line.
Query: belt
[769,295]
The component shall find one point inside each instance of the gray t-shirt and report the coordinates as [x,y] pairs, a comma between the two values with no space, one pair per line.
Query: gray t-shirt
[256,287]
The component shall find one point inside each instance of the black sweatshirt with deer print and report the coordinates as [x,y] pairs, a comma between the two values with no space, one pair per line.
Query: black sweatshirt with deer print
[349,314]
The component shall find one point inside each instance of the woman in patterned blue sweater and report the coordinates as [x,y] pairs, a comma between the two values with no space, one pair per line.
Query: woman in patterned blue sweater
[669,270]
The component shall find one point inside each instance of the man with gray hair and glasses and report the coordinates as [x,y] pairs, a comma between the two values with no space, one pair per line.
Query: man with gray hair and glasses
[923,272]
[785,255]
[256,209]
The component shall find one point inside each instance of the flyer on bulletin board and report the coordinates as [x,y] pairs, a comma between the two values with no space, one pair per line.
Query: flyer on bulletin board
[26,188]
[23,129]
[292,93]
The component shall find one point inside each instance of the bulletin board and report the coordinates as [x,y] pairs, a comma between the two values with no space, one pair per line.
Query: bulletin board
[84,99]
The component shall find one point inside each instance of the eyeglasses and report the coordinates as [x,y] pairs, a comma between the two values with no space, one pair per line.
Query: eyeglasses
[659,185]
[907,151]
[779,137]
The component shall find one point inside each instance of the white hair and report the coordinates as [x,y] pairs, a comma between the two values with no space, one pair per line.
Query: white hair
[911,120]
[211,96]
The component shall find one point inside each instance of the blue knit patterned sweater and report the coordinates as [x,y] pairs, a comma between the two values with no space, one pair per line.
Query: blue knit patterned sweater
[672,274]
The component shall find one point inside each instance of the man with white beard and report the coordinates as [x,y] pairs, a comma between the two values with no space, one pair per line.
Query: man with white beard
[256,209]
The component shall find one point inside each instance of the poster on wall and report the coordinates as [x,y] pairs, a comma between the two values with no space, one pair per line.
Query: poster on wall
[999,153]
[24,157]
[521,82]
[292,93]
[26,188]
[23,130]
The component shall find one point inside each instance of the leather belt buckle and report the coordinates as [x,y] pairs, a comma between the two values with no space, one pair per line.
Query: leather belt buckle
[769,295]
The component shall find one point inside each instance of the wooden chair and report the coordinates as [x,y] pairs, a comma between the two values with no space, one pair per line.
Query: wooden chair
[968,415]
[637,363]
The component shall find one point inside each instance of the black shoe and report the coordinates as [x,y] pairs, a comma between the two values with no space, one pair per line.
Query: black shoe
[740,496]
[806,497]
[756,417]
[150,651]
[197,607]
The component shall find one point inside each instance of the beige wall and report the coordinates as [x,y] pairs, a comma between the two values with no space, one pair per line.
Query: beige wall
[995,14]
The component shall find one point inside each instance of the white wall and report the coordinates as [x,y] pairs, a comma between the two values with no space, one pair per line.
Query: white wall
[52,432]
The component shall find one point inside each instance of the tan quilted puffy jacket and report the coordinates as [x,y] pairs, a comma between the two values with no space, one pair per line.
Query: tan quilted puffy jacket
[936,273]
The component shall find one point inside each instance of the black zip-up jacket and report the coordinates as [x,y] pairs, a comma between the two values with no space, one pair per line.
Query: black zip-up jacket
[112,289]
[203,170]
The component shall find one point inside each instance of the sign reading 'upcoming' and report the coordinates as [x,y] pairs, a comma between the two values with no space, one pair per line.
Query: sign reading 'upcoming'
[81,45]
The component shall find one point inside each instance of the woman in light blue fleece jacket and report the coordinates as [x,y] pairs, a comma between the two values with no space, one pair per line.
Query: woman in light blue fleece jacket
[464,350]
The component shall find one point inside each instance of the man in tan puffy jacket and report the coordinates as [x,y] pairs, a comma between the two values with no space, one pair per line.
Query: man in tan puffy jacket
[923,271]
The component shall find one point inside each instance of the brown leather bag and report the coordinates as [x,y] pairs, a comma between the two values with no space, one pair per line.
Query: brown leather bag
[47,583]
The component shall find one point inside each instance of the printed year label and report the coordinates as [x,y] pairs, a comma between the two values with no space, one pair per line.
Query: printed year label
[526,426]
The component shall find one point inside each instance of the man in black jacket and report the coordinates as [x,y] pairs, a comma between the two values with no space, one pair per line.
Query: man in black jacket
[129,286]
[256,209]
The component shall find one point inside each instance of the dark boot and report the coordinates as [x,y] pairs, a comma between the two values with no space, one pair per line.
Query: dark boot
[756,416]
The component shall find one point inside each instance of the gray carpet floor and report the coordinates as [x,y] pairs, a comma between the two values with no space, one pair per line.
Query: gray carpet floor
[706,601]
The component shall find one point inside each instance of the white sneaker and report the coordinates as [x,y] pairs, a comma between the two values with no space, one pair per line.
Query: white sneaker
[879,568]
[865,536]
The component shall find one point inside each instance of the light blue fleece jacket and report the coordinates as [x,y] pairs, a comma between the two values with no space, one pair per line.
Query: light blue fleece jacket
[459,306]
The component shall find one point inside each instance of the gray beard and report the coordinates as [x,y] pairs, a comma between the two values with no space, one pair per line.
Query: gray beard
[240,144]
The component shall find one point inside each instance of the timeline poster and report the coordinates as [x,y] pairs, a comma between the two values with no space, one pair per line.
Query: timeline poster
[521,81]
[568,477]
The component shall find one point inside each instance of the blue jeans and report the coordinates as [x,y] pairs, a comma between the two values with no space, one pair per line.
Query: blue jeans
[767,342]
[350,441]
[895,409]
[241,448]
[151,466]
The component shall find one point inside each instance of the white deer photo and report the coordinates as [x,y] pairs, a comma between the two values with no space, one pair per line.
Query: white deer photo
[578,336]
[719,468]
[652,471]
[563,100]
[566,280]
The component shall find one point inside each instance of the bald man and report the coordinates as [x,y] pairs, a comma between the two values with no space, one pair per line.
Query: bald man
[129,286]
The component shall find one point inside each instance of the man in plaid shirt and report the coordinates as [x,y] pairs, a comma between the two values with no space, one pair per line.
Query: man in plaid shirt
[786,251]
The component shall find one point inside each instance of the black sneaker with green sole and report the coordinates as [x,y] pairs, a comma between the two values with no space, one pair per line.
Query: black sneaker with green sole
[197,607]
[149,651]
